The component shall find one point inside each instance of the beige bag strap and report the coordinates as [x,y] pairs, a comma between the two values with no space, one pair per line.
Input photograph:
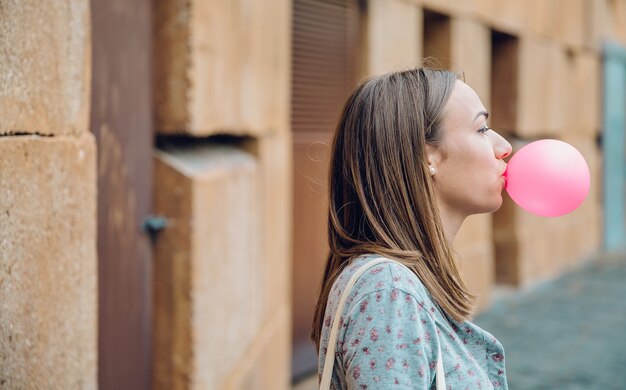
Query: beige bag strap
[330,353]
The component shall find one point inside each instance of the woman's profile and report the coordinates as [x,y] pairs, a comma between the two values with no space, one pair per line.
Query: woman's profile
[411,158]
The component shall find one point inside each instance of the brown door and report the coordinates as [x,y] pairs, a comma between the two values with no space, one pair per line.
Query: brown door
[324,63]
[122,123]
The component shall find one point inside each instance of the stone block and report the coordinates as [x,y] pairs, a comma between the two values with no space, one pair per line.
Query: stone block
[606,20]
[474,246]
[619,12]
[506,255]
[569,26]
[394,36]
[477,271]
[510,16]
[530,226]
[475,232]
[223,271]
[46,67]
[585,234]
[532,78]
[48,262]
[449,7]
[586,220]
[521,242]
[530,259]
[555,90]
[591,230]
[209,276]
[542,88]
[542,16]
[524,249]
[275,175]
[471,54]
[222,66]
[268,364]
[584,94]
[505,242]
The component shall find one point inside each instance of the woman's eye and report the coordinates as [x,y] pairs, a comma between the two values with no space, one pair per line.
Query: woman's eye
[483,129]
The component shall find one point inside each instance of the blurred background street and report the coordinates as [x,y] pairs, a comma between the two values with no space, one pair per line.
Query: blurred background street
[569,333]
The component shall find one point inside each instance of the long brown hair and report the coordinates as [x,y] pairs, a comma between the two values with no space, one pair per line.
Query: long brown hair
[381,198]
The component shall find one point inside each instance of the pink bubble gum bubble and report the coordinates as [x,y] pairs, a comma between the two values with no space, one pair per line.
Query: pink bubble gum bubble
[548,178]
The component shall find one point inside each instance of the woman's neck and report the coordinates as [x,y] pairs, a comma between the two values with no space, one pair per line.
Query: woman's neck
[451,223]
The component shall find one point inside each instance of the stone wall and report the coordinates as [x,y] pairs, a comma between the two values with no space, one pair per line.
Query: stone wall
[222,269]
[48,259]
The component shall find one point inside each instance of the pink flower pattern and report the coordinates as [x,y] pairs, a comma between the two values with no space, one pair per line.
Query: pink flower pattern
[388,340]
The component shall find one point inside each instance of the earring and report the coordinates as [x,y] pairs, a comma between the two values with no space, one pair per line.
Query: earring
[432,170]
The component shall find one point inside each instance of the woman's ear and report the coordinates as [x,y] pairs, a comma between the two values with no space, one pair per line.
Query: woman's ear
[433,155]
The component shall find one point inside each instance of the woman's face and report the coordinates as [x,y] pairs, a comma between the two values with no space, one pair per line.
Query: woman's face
[469,161]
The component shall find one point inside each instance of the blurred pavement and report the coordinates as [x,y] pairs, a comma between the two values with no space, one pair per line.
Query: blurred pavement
[569,333]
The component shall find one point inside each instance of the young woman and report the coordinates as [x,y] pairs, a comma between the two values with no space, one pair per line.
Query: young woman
[412,157]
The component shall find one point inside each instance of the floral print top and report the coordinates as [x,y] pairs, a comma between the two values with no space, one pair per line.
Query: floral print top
[388,336]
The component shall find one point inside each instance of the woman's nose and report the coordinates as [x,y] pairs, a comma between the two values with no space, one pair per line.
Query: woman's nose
[502,148]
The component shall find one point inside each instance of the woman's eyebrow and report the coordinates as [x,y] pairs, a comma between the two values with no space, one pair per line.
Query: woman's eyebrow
[485,113]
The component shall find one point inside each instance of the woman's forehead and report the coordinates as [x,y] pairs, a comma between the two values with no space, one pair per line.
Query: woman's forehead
[463,104]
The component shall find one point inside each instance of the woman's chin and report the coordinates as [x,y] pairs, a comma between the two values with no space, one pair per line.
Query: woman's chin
[494,205]
[491,207]
[497,204]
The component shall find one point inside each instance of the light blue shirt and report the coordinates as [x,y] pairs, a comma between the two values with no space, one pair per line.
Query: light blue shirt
[388,333]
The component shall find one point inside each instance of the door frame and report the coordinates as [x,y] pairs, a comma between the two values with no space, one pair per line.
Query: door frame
[121,120]
[614,145]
